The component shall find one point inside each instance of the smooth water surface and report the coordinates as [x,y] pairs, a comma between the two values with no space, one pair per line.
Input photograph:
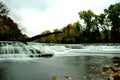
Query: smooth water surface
[78,67]
[80,62]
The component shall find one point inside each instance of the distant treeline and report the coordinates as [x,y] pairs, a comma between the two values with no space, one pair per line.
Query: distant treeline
[104,27]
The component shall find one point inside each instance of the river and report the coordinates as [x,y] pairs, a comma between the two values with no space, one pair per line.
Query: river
[79,62]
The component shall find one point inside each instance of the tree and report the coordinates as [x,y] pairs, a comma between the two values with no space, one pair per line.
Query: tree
[87,16]
[46,32]
[3,9]
[95,33]
[78,32]
[105,25]
[46,39]
[8,28]
[113,14]
[89,19]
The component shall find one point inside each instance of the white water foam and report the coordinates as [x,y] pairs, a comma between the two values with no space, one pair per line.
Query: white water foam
[21,50]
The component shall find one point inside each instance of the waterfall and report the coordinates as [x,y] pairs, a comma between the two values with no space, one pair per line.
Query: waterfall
[16,49]
[13,49]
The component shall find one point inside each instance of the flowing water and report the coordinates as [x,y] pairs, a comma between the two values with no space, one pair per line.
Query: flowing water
[78,61]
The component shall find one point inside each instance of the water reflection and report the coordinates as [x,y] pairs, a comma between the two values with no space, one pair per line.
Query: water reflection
[3,73]
[88,67]
[59,68]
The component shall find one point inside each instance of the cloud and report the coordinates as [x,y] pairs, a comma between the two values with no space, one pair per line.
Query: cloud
[31,4]
[39,15]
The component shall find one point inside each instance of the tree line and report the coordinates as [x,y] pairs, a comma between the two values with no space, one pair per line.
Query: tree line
[104,27]
[9,30]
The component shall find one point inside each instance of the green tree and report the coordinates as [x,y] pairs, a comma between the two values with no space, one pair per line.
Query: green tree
[56,38]
[105,25]
[113,14]
[89,19]
[46,32]
[87,16]
[78,32]
[46,39]
[68,34]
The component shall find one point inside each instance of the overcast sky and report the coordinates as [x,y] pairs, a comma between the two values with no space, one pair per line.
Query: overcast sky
[37,16]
